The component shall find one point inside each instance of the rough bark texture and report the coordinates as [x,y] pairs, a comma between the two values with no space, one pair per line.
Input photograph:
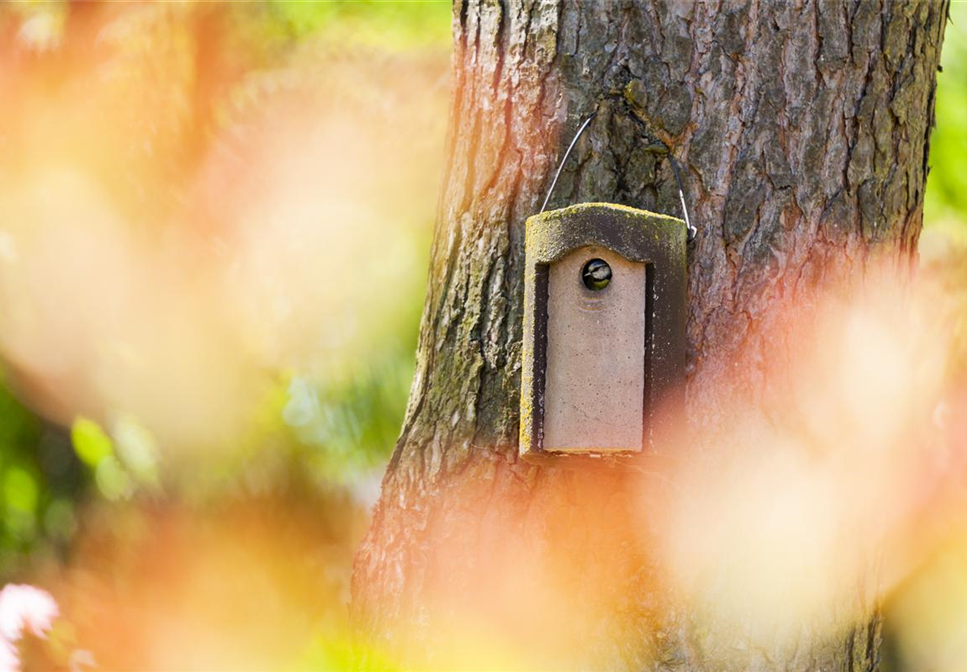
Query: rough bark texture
[802,127]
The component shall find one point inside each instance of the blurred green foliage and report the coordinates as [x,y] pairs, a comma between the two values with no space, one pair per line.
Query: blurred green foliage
[91,444]
[39,483]
[946,194]
[333,429]
[386,25]
[943,243]
[349,421]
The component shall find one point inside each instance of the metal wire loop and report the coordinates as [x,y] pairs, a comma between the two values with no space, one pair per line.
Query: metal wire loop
[692,231]
[564,160]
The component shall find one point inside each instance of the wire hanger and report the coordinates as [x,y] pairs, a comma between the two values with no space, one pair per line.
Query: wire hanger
[692,231]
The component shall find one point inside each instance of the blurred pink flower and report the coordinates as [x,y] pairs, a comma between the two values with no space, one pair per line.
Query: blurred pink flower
[9,662]
[22,607]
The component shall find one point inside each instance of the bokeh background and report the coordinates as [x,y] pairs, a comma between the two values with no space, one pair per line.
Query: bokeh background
[214,230]
[214,227]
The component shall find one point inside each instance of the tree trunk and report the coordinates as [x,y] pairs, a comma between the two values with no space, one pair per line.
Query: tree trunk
[802,127]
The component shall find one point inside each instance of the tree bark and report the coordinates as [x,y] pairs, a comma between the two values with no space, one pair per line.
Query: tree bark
[803,130]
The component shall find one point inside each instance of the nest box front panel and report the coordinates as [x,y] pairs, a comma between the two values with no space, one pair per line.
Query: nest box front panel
[595,378]
[603,331]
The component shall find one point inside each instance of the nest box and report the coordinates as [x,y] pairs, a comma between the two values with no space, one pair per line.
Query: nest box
[604,330]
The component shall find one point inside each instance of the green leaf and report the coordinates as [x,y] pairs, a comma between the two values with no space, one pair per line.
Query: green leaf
[20,490]
[91,444]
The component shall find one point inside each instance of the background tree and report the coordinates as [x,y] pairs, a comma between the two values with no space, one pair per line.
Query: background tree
[803,128]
